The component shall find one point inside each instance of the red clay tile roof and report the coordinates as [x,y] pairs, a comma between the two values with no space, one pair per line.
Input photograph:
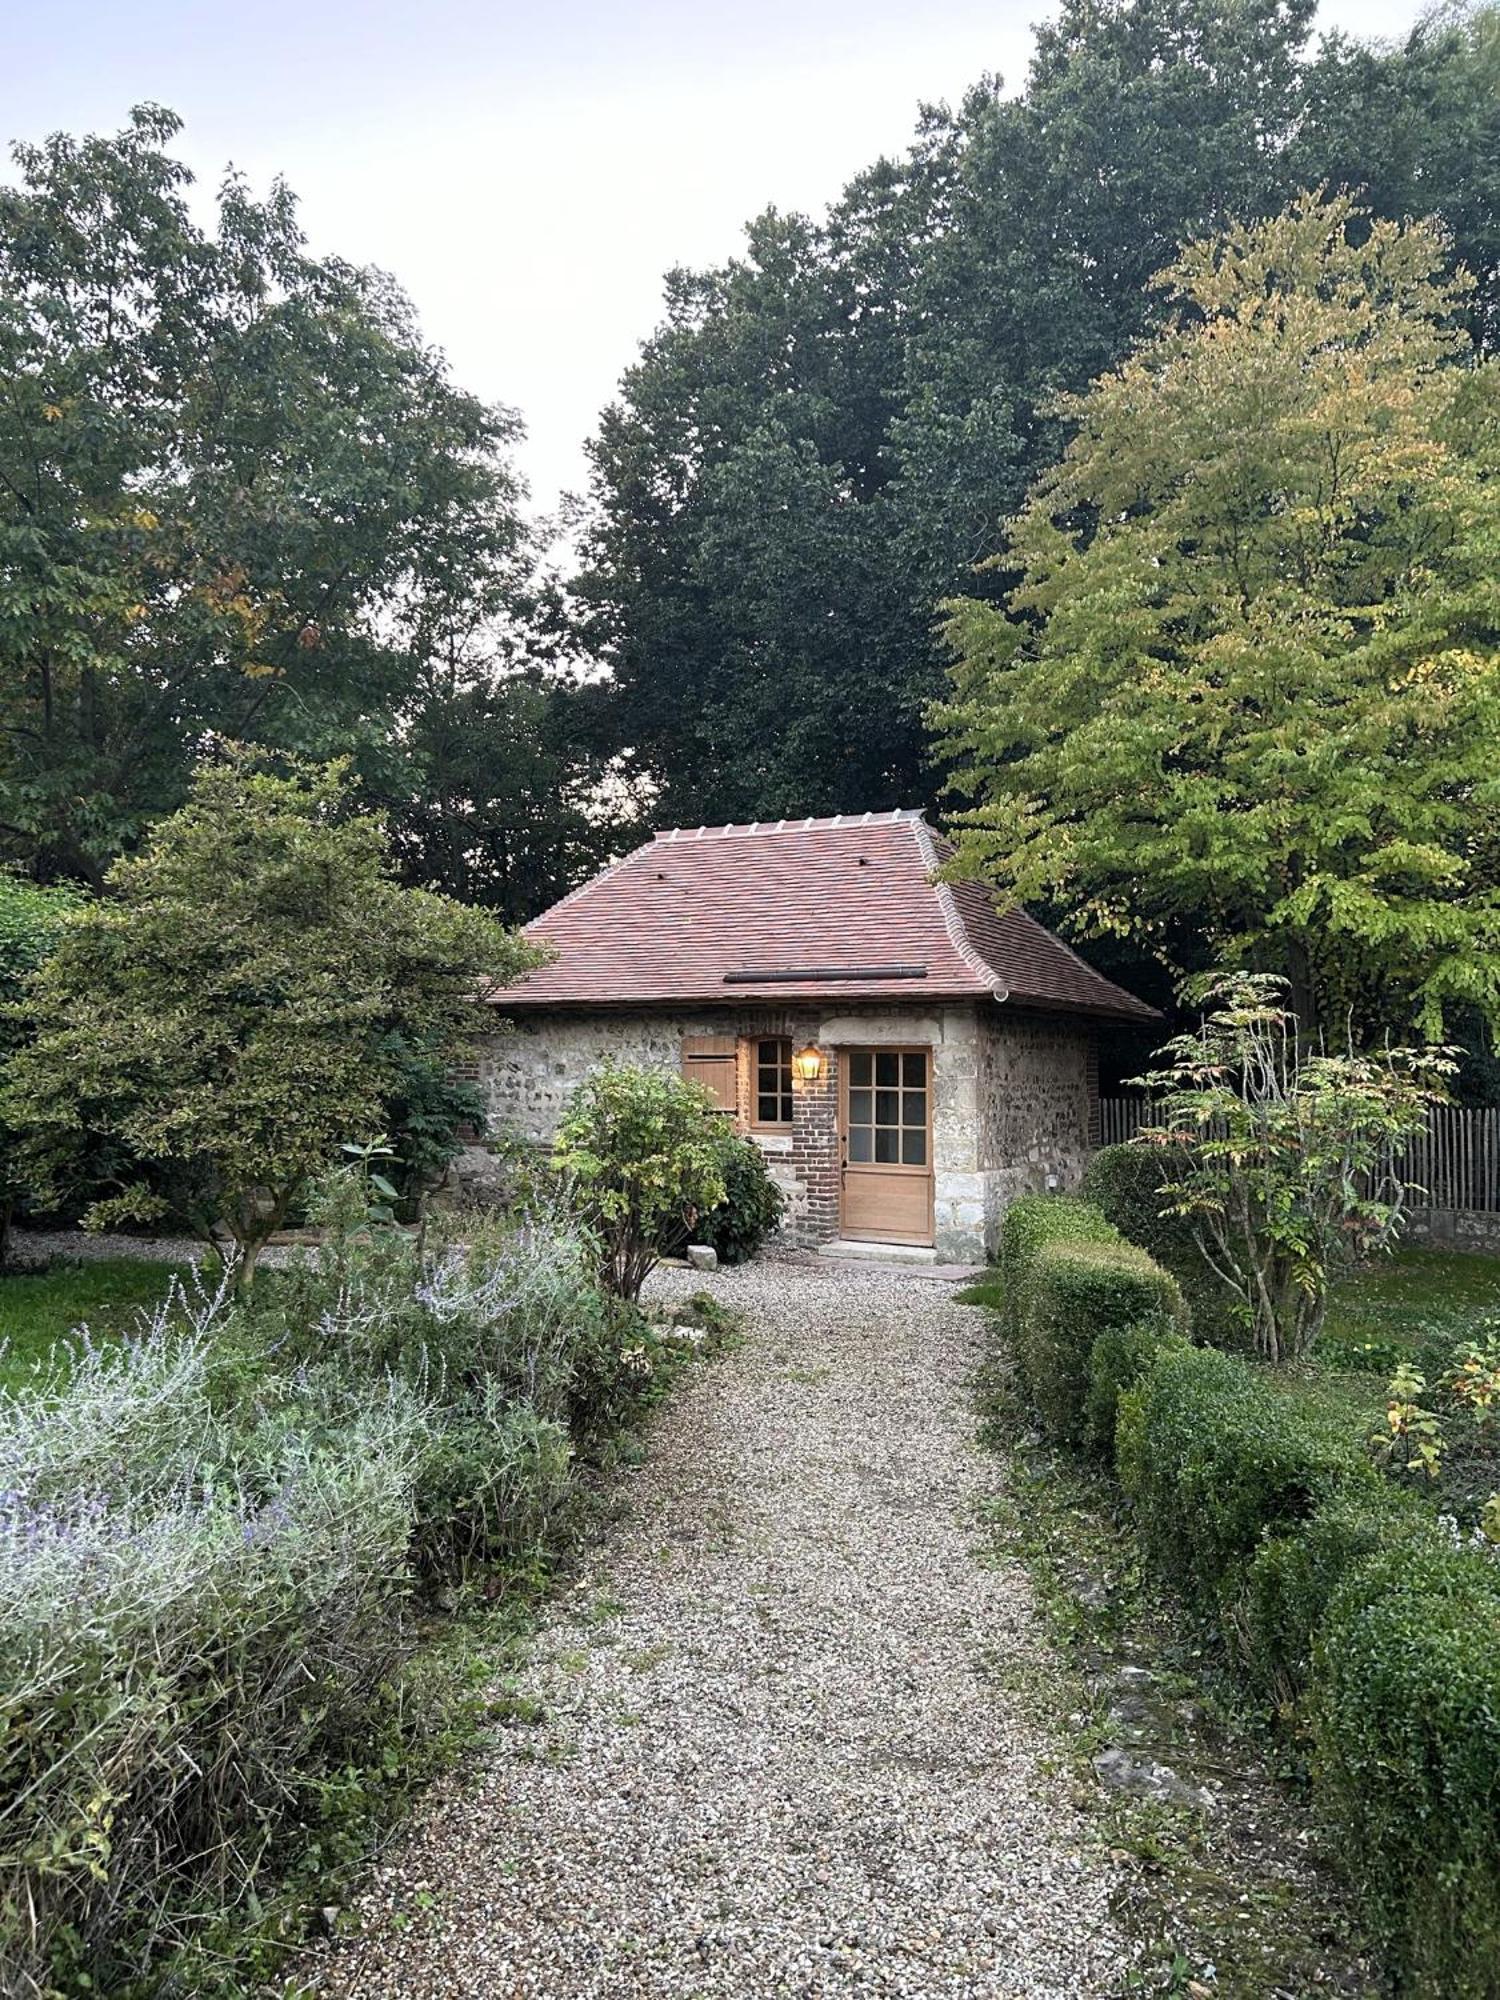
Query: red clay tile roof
[814,909]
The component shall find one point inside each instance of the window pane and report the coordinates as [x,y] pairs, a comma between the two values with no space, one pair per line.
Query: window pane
[786,1106]
[860,1107]
[859,1143]
[914,1149]
[914,1107]
[887,1069]
[887,1146]
[859,1070]
[887,1107]
[766,1109]
[914,1071]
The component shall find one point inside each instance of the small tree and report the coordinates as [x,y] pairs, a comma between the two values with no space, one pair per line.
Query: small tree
[643,1149]
[249,996]
[1283,1158]
[31,918]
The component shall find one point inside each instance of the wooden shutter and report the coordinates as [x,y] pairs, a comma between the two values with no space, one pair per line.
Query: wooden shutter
[712,1060]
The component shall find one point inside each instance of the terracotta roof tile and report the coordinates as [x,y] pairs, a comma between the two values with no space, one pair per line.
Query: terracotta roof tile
[807,909]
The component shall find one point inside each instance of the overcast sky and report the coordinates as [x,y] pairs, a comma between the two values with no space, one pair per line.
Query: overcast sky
[528,172]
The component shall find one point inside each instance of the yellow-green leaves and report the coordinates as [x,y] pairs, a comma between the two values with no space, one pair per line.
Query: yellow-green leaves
[1248,682]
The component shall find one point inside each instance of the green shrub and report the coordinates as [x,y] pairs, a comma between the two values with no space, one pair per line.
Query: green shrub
[1118,1359]
[1124,1183]
[1030,1222]
[1073,1292]
[1216,1457]
[642,1151]
[752,1204]
[1405,1712]
[1292,1578]
[493,1483]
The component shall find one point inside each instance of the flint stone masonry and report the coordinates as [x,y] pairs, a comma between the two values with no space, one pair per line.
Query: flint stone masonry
[1473,1229]
[1012,1097]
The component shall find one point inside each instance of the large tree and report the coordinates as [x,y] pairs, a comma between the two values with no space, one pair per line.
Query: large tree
[1247,689]
[255,990]
[826,434]
[238,494]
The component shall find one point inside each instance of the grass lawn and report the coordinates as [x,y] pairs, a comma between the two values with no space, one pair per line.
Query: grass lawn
[1404,1302]
[1400,1305]
[38,1309]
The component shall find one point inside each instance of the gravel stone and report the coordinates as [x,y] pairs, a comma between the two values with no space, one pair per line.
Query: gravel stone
[779,1753]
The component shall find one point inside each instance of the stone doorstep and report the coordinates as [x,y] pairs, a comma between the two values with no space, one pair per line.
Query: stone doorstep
[921,1261]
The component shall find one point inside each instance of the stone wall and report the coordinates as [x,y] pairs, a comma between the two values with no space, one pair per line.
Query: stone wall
[1473,1229]
[1037,1095]
[1011,1097]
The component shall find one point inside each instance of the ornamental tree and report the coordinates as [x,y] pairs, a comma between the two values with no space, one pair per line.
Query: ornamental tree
[643,1150]
[1281,1155]
[253,992]
[1246,685]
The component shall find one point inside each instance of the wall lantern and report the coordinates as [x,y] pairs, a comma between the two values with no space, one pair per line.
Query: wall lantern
[808,1063]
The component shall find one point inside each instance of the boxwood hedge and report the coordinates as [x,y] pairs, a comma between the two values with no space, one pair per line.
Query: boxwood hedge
[1076,1292]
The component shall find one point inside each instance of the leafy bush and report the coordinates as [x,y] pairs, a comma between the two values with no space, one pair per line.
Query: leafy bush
[1031,1221]
[752,1205]
[1126,1184]
[643,1150]
[1215,1458]
[1405,1712]
[1292,1578]
[209,1538]
[1118,1359]
[1074,1292]
[179,1668]
[1283,1156]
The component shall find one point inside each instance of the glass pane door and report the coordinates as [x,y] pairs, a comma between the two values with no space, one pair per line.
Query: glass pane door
[887,1107]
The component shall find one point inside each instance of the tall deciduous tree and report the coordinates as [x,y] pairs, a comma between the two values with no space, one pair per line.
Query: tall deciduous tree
[237,492]
[1248,687]
[253,992]
[827,433]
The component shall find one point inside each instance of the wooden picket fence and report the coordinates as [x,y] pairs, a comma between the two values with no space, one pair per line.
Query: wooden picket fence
[1455,1162]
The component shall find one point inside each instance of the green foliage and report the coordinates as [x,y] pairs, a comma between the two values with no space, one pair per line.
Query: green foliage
[31,917]
[1281,1157]
[1247,682]
[1074,1293]
[1292,1578]
[248,996]
[1129,1185]
[825,432]
[211,1541]
[238,496]
[1117,1361]
[1030,1222]
[643,1151]
[752,1204]
[1405,1712]
[1216,1457]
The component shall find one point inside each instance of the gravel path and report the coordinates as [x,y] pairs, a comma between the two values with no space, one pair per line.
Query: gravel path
[777,1754]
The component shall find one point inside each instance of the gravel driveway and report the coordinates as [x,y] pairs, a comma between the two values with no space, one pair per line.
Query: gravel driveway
[777,1753]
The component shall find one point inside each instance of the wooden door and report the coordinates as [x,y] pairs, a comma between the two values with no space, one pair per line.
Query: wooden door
[885,1104]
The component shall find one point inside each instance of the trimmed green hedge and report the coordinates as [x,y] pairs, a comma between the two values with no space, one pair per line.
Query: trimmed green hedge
[1118,1360]
[1124,1183]
[1345,1598]
[1405,1712]
[1074,1293]
[1216,1456]
[1291,1580]
[1031,1222]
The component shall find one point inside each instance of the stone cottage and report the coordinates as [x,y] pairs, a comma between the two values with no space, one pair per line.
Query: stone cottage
[907,1057]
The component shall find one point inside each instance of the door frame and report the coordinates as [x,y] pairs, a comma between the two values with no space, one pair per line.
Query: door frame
[928,1235]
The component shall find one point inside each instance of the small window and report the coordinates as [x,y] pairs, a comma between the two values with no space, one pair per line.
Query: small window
[773,1082]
